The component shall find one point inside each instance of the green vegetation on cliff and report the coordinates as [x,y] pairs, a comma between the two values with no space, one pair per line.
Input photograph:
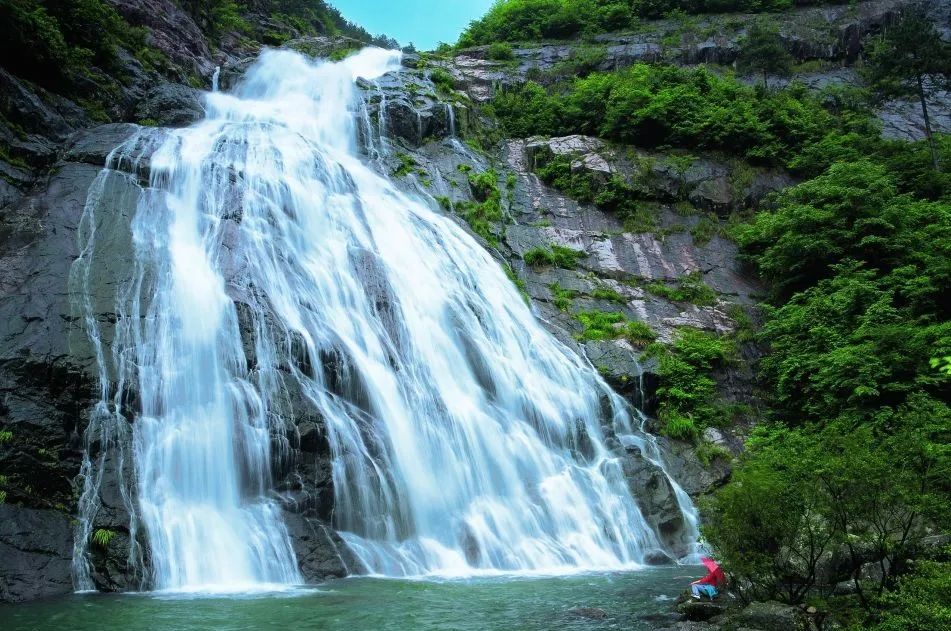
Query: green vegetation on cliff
[687,396]
[285,19]
[848,473]
[857,448]
[657,106]
[57,42]
[86,51]
[531,20]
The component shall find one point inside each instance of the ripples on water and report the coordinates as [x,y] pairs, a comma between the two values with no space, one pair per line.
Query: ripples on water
[633,601]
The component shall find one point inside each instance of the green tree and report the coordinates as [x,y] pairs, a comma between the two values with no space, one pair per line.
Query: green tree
[770,525]
[922,601]
[911,60]
[762,51]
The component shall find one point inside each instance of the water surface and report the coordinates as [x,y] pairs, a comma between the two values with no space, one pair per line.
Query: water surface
[634,601]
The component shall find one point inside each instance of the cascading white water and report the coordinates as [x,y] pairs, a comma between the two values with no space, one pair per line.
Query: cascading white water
[464,437]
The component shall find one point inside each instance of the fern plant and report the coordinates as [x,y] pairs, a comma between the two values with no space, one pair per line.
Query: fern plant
[102,536]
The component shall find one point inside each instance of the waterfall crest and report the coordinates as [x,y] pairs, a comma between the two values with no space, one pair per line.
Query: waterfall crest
[464,437]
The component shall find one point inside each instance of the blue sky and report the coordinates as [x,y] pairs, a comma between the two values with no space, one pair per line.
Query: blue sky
[423,22]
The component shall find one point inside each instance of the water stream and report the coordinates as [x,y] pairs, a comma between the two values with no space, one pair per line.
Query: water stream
[465,438]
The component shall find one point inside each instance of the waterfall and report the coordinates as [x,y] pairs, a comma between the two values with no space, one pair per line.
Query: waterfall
[451,117]
[214,78]
[464,437]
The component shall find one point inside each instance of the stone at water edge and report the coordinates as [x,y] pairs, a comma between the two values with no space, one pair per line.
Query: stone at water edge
[772,616]
[702,610]
[592,613]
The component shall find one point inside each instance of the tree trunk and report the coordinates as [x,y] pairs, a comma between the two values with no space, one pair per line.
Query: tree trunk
[928,134]
[765,81]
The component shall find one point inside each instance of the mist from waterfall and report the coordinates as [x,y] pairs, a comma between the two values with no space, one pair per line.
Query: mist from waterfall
[465,438]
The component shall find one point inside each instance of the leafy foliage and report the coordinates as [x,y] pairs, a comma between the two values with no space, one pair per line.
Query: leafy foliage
[802,493]
[487,207]
[922,601]
[54,42]
[303,17]
[609,325]
[867,271]
[561,297]
[687,392]
[858,455]
[442,80]
[500,51]
[662,105]
[613,195]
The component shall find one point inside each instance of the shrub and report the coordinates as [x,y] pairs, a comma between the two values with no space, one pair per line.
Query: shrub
[500,51]
[600,325]
[562,297]
[606,293]
[690,288]
[518,282]
[921,602]
[517,20]
[639,333]
[762,51]
[686,390]
[442,80]
[654,105]
[406,165]
[678,427]
[554,255]
[63,39]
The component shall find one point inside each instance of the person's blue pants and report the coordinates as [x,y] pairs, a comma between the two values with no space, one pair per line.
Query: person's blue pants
[704,590]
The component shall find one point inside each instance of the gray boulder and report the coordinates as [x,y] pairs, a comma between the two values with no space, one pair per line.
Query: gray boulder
[771,616]
[657,501]
[702,610]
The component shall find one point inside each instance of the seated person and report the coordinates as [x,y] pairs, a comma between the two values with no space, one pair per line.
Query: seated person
[711,584]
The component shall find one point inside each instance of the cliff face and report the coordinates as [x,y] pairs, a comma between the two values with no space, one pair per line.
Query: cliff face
[53,150]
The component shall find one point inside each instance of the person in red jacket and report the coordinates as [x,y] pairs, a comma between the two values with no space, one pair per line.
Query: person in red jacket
[711,584]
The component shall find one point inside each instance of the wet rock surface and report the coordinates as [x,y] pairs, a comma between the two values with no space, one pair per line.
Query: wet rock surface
[321,553]
[36,547]
[702,609]
[655,496]
[171,105]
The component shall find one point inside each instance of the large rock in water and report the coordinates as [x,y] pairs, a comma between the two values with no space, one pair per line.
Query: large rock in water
[655,496]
